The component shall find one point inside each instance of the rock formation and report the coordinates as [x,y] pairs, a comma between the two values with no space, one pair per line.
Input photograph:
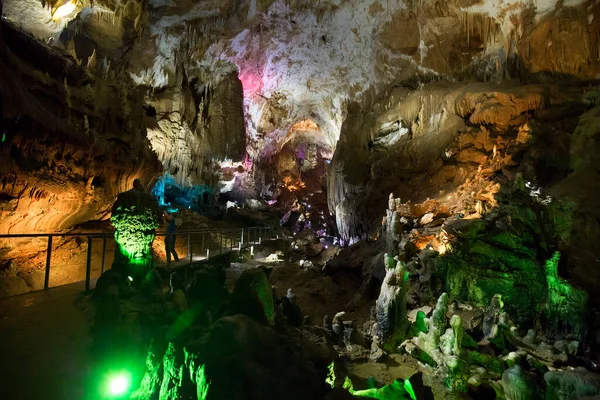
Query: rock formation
[135,216]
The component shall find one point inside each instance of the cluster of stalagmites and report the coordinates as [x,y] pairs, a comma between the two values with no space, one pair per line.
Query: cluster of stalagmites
[465,291]
[201,341]
[501,359]
[505,317]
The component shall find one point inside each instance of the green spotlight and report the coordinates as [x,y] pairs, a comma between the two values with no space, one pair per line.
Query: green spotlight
[118,384]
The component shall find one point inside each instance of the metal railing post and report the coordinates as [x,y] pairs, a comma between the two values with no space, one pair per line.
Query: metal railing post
[231,240]
[188,248]
[48,258]
[88,266]
[103,254]
[191,249]
[221,249]
[203,248]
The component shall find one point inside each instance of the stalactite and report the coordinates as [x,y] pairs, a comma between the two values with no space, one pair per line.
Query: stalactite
[104,15]
[486,27]
[92,62]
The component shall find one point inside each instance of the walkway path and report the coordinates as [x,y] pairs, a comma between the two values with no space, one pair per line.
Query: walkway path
[44,342]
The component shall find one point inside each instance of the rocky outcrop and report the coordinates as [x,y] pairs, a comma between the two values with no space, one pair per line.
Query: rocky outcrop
[448,135]
[197,344]
[253,296]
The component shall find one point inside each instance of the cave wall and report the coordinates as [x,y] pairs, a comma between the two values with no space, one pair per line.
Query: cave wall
[72,140]
[297,60]
[194,125]
[77,122]
[452,135]
[414,136]
[182,86]
[226,124]
[436,131]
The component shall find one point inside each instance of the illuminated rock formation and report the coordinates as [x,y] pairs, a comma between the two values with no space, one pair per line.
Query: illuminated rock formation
[135,216]
[391,306]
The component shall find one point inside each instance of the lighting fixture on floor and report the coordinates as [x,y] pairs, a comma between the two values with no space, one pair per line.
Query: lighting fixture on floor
[118,384]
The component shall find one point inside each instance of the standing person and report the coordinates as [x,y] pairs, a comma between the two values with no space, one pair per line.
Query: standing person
[169,220]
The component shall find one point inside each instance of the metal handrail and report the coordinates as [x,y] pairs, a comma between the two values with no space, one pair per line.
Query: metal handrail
[105,235]
[111,233]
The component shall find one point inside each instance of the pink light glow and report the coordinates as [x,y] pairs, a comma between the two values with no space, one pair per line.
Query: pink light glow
[248,162]
[251,82]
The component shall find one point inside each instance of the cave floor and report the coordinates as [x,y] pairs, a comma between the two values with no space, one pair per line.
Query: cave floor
[317,293]
[44,342]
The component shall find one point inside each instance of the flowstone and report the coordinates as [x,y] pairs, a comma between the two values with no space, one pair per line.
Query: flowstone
[445,346]
[430,340]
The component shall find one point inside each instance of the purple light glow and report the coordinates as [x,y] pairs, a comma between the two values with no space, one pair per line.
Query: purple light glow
[301,153]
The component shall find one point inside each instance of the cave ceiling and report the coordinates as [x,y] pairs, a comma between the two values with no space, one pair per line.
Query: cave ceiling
[300,60]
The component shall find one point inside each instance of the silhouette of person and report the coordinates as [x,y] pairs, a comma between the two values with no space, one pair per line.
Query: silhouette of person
[169,220]
[137,184]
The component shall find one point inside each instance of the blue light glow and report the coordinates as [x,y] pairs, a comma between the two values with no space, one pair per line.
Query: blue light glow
[170,193]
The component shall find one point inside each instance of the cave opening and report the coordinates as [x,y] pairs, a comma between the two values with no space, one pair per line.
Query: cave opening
[301,167]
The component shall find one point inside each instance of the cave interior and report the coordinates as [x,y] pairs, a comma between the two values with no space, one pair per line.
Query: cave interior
[291,199]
